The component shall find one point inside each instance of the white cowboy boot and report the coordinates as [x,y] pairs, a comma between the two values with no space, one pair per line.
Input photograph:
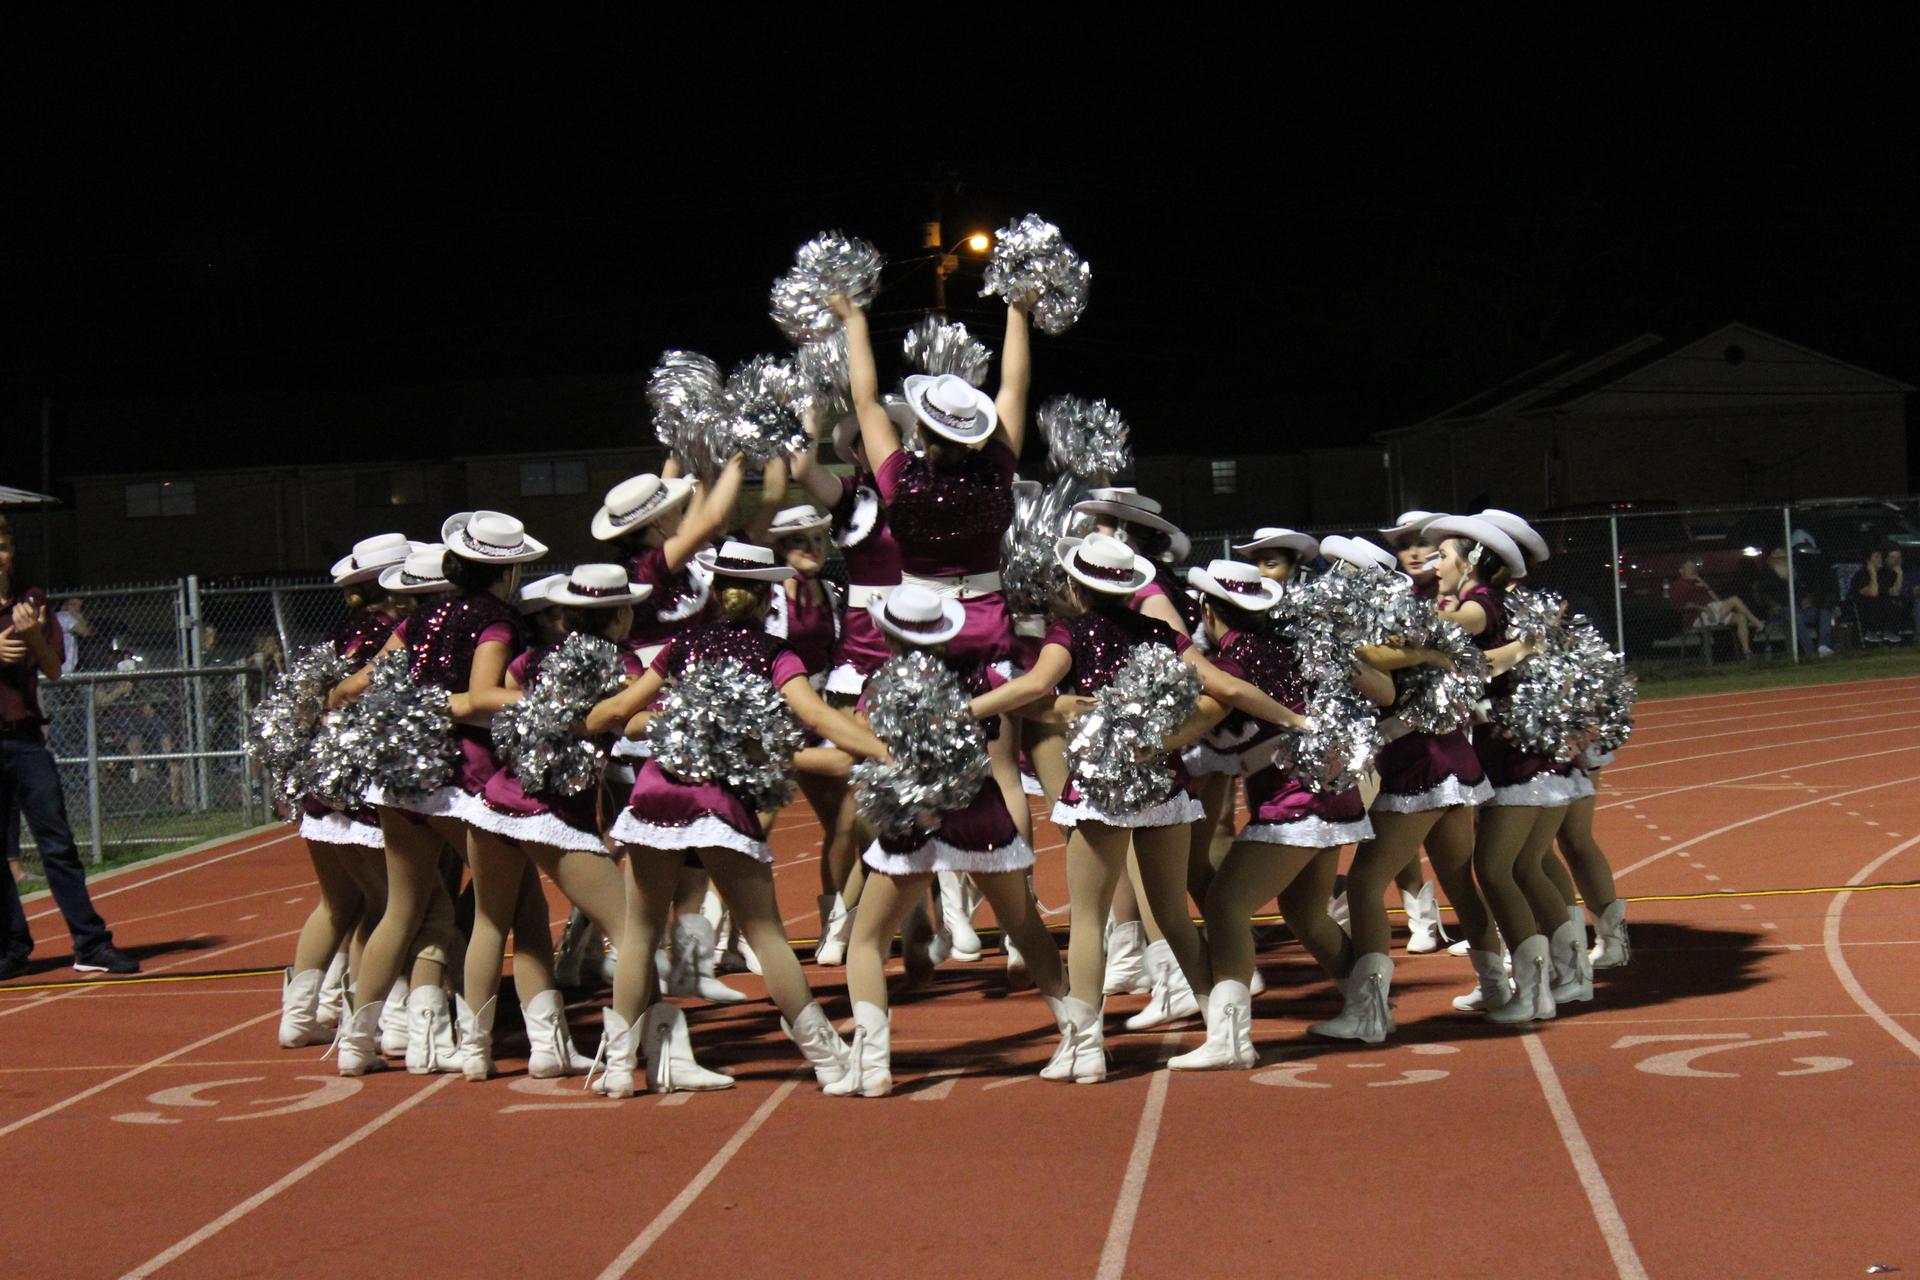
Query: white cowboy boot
[614,1063]
[1082,1055]
[1019,977]
[550,1051]
[1172,997]
[299,1008]
[819,1043]
[475,1052]
[922,946]
[1460,948]
[359,1043]
[1229,1042]
[869,1058]
[333,992]
[1423,920]
[1366,1016]
[836,926]
[1532,985]
[432,1039]
[1126,960]
[669,1050]
[956,913]
[393,1022]
[1342,914]
[1494,989]
[694,971]
[1572,980]
[1611,949]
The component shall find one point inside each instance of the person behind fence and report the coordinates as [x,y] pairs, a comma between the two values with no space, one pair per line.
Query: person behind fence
[1874,598]
[1699,605]
[1811,620]
[31,647]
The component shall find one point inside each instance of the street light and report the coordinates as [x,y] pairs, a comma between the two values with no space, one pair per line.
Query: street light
[978,242]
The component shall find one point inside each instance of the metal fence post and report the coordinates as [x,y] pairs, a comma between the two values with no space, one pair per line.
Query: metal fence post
[1793,589]
[197,691]
[97,846]
[1617,570]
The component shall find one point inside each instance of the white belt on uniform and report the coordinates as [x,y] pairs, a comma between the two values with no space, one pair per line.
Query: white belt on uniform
[965,587]
[858,597]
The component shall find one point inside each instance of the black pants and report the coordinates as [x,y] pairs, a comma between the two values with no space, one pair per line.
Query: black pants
[30,787]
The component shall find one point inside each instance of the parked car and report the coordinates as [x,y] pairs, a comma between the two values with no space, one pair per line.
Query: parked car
[1654,540]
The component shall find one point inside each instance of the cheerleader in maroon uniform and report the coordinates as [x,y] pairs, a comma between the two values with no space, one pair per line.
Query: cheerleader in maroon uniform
[461,644]
[1291,843]
[343,845]
[1081,656]
[666,817]
[1477,560]
[516,835]
[980,841]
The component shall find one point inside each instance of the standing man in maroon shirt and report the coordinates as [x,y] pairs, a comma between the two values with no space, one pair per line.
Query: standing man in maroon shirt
[31,646]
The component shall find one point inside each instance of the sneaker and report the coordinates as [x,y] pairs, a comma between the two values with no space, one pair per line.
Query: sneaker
[1825,651]
[107,959]
[13,967]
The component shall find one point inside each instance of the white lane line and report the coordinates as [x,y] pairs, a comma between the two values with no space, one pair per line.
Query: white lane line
[120,922]
[259,1198]
[82,989]
[1614,770]
[1821,723]
[1113,1256]
[701,1181]
[1760,817]
[1613,1228]
[1765,715]
[124,1076]
[1640,798]
[1837,958]
[168,875]
[1765,696]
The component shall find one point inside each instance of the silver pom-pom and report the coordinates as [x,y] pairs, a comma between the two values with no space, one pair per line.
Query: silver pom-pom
[1327,620]
[1554,706]
[1118,748]
[535,737]
[762,414]
[1085,438]
[407,730]
[1034,266]
[821,367]
[917,706]
[722,723]
[285,722]
[1029,570]
[830,263]
[1434,700]
[935,347]
[1338,750]
[687,395]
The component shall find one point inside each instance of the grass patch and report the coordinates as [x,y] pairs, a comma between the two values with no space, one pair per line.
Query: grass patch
[1676,680]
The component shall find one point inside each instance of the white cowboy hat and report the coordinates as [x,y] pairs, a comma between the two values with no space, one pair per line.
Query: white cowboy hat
[533,595]
[1130,506]
[1409,522]
[800,519]
[1520,531]
[491,536]
[420,573]
[370,556]
[1357,552]
[847,430]
[1487,534]
[742,560]
[636,502]
[951,407]
[1237,583]
[1304,545]
[596,586]
[917,616]
[1103,563]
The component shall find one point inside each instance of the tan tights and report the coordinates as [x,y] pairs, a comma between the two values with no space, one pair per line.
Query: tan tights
[1252,873]
[417,926]
[1509,849]
[889,899]
[1395,846]
[1589,865]
[507,896]
[353,894]
[1096,865]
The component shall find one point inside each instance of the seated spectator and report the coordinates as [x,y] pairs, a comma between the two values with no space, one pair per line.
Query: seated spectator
[1699,605]
[1906,600]
[1874,599]
[75,626]
[1813,623]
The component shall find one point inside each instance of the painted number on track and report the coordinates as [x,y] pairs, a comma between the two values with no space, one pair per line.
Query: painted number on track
[327,1090]
[1680,1062]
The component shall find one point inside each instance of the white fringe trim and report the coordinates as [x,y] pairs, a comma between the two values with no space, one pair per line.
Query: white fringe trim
[1582,785]
[441,802]
[1308,833]
[1201,760]
[702,833]
[1545,791]
[1176,810]
[847,679]
[1031,785]
[536,828]
[338,828]
[1446,794]
[633,749]
[866,514]
[1591,759]
[937,855]
[702,588]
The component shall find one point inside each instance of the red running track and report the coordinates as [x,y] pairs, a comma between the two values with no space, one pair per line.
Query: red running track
[1736,1103]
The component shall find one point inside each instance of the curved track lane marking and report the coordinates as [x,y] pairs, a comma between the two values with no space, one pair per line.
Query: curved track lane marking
[1830,937]
[1614,769]
[1643,797]
[1821,723]
[1761,715]
[1761,817]
[1766,696]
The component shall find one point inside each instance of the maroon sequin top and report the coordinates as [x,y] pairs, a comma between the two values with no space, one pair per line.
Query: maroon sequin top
[721,639]
[1100,640]
[362,632]
[442,640]
[948,520]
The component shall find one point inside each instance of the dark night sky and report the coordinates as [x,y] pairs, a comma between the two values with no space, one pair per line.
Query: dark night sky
[1302,246]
